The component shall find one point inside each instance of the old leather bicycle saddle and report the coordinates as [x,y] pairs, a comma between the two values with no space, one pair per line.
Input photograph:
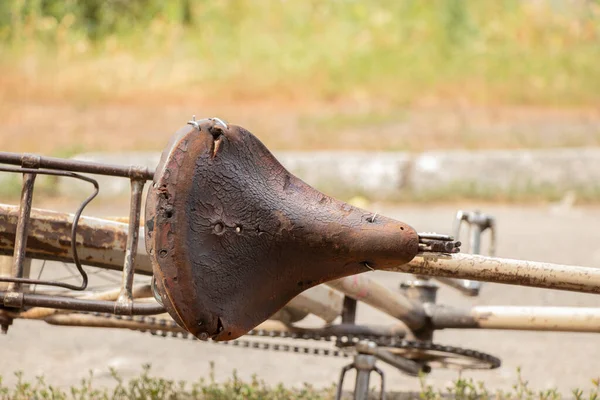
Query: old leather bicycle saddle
[234,236]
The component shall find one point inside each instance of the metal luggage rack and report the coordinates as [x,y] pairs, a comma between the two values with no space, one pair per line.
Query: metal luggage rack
[30,166]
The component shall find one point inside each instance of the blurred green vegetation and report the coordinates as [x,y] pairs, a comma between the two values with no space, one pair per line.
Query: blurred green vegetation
[147,386]
[398,51]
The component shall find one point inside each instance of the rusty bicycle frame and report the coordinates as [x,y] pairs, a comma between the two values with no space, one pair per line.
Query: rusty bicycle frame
[27,233]
[113,245]
[104,243]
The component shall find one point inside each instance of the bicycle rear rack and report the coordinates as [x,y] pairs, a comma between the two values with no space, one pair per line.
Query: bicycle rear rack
[31,165]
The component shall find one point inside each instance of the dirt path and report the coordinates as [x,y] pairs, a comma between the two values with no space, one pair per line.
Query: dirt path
[564,360]
[70,127]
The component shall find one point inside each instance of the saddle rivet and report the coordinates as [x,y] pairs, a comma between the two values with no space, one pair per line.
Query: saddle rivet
[238,229]
[218,227]
[204,336]
[163,253]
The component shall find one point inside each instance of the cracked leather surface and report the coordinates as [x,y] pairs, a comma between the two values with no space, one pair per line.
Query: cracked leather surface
[234,236]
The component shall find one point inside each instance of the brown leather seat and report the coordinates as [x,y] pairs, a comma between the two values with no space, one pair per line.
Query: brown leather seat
[234,236]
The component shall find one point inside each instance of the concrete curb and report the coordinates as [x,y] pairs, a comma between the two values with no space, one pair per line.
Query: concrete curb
[393,175]
[514,172]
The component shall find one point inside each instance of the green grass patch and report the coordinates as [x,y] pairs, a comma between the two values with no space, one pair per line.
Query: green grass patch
[394,51]
[147,386]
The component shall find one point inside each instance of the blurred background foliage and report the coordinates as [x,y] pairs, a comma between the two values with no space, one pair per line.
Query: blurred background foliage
[543,52]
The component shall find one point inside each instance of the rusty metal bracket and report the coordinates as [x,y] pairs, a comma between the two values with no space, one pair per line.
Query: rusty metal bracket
[31,165]
[438,243]
[124,304]
[21,241]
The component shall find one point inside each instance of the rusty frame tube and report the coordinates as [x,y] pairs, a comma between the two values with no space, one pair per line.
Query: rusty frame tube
[86,167]
[504,270]
[556,319]
[104,242]
[361,288]
[142,291]
[68,303]
[101,243]
[101,322]
[397,331]
[322,301]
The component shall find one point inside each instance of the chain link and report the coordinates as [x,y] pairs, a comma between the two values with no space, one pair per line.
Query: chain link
[345,343]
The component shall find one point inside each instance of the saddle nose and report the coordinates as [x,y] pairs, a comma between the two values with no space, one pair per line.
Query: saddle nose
[234,236]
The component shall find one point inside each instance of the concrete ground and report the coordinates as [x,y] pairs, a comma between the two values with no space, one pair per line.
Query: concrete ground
[545,233]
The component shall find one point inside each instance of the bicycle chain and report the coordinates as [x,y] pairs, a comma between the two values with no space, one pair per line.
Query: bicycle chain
[340,340]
